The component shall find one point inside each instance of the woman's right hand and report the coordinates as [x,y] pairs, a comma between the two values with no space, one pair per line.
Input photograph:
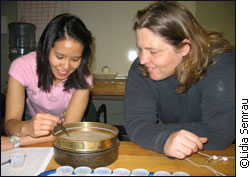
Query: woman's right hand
[183,143]
[42,124]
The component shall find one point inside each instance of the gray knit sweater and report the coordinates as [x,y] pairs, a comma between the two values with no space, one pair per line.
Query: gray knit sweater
[207,108]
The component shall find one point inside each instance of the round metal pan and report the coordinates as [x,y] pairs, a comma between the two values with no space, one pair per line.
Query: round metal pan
[90,159]
[94,136]
[86,149]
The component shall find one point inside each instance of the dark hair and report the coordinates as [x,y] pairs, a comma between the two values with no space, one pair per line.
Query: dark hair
[59,28]
[174,23]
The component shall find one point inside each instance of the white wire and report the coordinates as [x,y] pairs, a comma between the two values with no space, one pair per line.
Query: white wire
[208,167]
[219,158]
[204,154]
[210,157]
[208,160]
[215,162]
[226,157]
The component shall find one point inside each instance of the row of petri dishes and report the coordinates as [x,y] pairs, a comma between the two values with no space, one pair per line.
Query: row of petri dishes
[104,171]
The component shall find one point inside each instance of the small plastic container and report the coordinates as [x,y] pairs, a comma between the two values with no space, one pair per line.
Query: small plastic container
[17,159]
[64,170]
[83,171]
[162,173]
[121,172]
[102,171]
[140,172]
[180,173]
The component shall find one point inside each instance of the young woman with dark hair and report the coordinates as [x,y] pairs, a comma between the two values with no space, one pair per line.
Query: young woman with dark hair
[56,79]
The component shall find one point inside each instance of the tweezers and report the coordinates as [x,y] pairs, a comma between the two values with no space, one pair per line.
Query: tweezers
[63,129]
[61,125]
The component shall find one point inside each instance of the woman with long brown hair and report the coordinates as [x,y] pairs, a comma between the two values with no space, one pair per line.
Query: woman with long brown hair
[180,92]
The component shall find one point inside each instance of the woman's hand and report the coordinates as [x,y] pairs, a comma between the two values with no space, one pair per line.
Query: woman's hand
[5,143]
[183,143]
[42,124]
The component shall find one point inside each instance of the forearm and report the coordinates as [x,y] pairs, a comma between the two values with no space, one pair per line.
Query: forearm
[28,140]
[220,133]
[153,136]
[24,141]
[17,127]
[149,135]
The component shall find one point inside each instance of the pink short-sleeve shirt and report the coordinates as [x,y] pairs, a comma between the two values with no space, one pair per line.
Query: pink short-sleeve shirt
[23,69]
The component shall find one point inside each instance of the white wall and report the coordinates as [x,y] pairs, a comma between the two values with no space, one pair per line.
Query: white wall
[112,26]
[111,23]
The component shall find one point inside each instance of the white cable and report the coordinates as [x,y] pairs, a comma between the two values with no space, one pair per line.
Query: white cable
[204,154]
[214,157]
[221,159]
[208,160]
[210,157]
[215,162]
[226,157]
[208,167]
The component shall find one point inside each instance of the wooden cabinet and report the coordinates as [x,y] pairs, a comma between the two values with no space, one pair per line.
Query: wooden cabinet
[108,89]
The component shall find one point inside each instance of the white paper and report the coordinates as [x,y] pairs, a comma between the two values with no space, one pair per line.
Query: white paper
[36,161]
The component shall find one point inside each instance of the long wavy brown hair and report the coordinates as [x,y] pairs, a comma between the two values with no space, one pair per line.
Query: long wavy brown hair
[174,23]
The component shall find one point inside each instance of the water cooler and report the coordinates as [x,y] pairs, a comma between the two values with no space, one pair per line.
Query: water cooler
[21,39]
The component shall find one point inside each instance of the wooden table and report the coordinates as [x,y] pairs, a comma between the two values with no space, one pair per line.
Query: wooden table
[108,89]
[132,156]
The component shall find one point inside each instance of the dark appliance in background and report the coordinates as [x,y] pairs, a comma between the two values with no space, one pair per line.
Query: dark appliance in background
[21,39]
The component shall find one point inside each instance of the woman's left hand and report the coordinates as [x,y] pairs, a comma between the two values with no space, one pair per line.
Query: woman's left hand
[5,143]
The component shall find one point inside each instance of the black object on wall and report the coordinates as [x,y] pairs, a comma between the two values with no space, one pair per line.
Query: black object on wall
[21,39]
